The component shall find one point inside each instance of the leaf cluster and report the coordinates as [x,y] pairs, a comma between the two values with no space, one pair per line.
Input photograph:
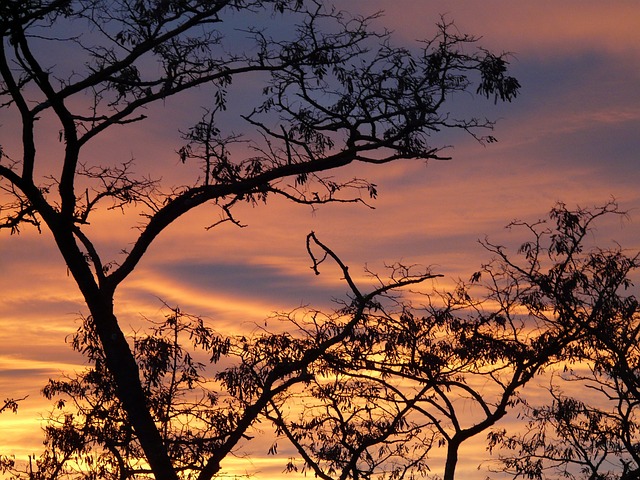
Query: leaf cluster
[584,291]
[89,435]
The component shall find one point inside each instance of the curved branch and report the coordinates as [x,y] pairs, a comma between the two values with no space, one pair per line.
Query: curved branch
[29,148]
[196,196]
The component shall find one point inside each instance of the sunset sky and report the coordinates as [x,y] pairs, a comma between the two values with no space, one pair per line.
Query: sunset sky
[572,135]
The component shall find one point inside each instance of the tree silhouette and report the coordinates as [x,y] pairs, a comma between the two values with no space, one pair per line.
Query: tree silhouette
[591,432]
[408,381]
[335,93]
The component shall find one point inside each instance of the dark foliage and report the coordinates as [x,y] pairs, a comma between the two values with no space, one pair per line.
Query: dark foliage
[592,433]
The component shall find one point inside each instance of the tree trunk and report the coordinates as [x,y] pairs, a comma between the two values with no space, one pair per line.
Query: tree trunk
[122,365]
[119,358]
[452,460]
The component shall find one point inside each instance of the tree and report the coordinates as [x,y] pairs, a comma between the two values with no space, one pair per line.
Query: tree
[592,433]
[335,93]
[409,380]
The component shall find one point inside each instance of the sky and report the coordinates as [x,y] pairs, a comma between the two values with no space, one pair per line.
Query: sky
[572,135]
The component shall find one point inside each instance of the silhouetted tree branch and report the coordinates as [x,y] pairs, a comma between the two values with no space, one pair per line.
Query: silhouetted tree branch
[593,436]
[407,381]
